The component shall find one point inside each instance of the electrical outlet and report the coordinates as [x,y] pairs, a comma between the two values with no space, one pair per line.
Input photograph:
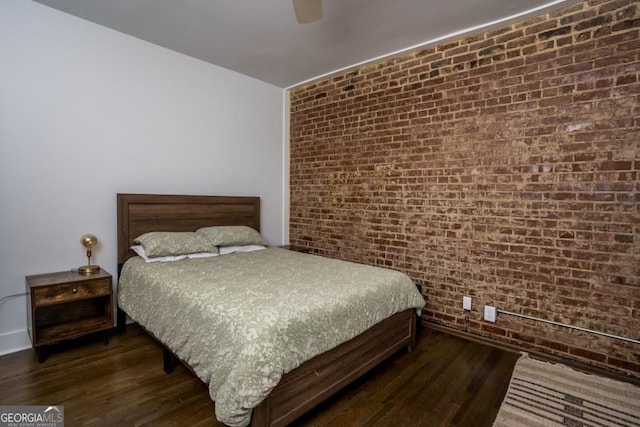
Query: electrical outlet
[466,303]
[490,313]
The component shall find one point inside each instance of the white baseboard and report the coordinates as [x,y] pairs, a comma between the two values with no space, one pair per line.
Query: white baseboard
[11,342]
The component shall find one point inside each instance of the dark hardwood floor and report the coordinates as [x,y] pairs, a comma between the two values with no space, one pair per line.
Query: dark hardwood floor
[447,381]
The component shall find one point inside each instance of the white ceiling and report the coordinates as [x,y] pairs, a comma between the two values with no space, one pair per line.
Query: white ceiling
[261,38]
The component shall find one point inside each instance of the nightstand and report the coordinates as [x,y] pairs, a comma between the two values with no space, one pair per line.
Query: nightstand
[68,305]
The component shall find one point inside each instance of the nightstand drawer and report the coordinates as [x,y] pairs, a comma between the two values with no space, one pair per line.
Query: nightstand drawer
[55,294]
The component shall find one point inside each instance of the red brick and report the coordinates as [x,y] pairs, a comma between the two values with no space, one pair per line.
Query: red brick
[502,166]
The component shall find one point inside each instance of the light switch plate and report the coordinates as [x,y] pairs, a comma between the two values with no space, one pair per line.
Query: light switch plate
[466,303]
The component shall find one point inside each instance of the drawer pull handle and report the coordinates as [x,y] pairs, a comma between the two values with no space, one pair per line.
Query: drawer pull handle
[74,290]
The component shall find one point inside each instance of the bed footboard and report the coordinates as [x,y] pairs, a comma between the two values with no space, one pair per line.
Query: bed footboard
[317,379]
[321,377]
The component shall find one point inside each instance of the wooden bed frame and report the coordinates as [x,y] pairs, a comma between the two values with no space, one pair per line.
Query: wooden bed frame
[313,381]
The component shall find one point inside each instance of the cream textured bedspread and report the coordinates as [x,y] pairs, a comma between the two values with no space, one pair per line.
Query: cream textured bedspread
[243,320]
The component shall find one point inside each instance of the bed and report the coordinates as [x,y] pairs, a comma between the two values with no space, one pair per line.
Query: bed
[303,382]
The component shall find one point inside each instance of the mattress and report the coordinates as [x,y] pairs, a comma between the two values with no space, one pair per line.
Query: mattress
[242,320]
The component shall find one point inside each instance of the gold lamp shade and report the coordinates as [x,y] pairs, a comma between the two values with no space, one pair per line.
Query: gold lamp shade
[89,241]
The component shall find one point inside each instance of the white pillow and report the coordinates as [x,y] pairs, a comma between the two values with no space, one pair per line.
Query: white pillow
[247,248]
[202,255]
[139,250]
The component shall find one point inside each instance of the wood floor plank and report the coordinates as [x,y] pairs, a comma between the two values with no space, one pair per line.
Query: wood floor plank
[446,381]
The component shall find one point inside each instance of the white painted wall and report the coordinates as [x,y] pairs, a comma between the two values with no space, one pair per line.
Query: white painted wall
[87,112]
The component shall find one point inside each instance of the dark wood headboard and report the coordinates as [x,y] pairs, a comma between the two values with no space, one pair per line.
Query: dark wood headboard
[141,213]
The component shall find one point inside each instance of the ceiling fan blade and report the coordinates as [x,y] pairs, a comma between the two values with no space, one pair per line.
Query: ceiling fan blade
[307,10]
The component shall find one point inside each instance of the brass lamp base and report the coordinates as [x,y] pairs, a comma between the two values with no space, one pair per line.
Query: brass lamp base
[89,269]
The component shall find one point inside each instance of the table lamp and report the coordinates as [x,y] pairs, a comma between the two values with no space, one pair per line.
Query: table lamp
[89,241]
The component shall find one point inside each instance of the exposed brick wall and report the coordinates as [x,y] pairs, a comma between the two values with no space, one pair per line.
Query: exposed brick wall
[503,165]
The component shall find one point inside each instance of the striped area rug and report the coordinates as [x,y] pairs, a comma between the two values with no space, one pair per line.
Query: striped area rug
[546,394]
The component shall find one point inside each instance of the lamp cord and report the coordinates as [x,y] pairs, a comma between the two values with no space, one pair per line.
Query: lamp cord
[11,296]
